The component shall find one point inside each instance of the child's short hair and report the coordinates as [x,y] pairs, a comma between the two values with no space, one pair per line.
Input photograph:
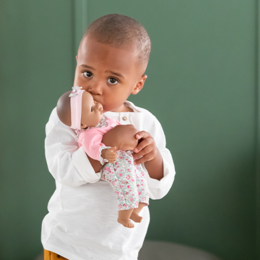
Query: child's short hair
[117,30]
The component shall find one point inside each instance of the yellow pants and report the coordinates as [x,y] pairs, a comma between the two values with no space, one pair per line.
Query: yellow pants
[48,255]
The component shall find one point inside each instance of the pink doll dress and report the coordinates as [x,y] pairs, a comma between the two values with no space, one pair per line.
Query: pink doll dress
[126,178]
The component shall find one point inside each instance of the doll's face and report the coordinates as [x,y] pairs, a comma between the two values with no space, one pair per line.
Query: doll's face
[92,111]
[109,74]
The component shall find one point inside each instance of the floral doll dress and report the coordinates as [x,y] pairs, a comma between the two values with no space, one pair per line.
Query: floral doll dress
[128,180]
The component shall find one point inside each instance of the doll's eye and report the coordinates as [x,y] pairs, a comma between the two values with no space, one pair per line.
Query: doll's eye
[87,74]
[112,81]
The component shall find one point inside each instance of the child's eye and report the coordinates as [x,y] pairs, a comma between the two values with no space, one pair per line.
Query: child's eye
[87,74]
[91,109]
[112,81]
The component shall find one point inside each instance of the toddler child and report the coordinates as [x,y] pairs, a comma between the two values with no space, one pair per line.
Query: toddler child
[111,63]
[80,112]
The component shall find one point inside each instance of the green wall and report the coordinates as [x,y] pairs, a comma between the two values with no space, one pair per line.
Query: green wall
[203,85]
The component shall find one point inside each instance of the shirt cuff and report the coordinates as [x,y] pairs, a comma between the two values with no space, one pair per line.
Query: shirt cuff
[84,167]
[159,188]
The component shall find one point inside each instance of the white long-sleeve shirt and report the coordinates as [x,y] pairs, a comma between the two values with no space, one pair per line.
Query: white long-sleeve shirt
[82,219]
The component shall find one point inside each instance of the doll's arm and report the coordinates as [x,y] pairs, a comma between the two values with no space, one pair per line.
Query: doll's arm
[96,165]
[122,137]
[109,154]
[90,140]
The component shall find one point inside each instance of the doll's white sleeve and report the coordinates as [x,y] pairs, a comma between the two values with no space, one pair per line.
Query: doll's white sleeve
[68,164]
[159,188]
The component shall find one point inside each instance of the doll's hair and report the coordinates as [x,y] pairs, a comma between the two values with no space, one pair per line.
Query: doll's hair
[63,109]
[118,30]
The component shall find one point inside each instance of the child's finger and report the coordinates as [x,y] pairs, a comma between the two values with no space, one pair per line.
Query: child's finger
[144,151]
[142,144]
[141,134]
[143,159]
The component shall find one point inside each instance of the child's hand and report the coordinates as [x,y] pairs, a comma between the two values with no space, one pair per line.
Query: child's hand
[110,154]
[146,148]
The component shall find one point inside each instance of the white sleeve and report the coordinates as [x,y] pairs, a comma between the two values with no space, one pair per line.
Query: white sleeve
[68,164]
[159,188]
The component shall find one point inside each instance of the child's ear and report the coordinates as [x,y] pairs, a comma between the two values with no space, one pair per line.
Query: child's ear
[139,85]
[76,57]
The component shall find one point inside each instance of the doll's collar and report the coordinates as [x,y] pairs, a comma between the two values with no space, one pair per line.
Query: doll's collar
[103,123]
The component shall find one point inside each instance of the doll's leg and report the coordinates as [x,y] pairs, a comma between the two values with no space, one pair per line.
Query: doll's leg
[135,214]
[142,193]
[142,186]
[124,218]
[109,174]
[127,183]
[120,175]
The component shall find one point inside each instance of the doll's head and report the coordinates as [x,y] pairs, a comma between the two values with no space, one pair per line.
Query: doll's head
[112,59]
[78,109]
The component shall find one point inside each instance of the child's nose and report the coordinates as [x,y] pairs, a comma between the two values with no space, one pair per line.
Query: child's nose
[95,89]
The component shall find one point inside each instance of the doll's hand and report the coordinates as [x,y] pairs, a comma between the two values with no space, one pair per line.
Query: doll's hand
[146,148]
[109,154]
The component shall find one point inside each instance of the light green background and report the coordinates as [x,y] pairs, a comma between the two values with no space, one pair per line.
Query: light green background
[202,86]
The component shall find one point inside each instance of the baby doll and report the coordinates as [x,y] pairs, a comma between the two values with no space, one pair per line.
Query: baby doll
[87,119]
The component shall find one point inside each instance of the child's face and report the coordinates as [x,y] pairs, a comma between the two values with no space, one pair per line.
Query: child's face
[109,74]
[92,111]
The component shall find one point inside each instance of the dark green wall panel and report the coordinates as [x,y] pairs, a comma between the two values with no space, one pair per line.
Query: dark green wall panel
[35,68]
[202,86]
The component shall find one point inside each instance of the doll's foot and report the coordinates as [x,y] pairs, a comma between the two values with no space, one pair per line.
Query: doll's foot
[136,218]
[126,222]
